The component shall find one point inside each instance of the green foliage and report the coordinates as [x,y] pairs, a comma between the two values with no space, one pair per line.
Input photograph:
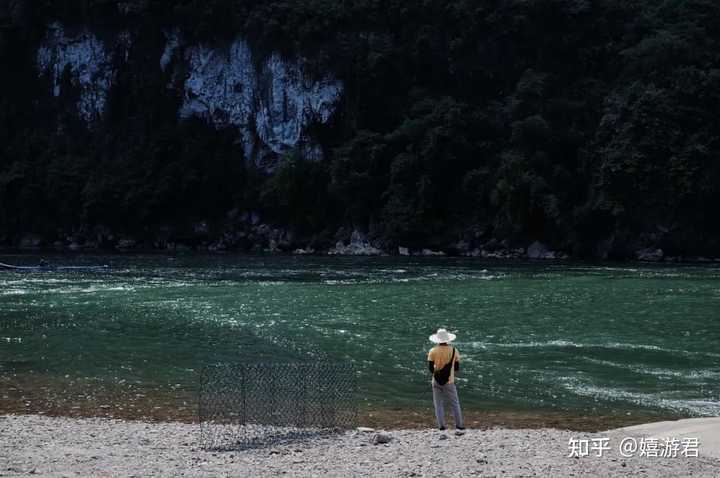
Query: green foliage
[296,194]
[566,121]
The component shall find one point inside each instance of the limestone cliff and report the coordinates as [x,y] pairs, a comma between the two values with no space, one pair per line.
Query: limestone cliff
[88,63]
[271,101]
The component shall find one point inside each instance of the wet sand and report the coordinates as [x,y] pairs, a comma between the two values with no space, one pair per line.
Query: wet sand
[86,398]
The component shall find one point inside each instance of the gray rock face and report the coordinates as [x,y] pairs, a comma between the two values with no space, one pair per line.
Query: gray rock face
[88,63]
[271,102]
[271,106]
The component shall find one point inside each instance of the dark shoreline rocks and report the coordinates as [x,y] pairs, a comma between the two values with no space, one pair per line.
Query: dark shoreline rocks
[246,233]
[128,246]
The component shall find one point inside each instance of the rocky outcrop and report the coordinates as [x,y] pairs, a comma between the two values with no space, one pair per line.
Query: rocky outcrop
[246,231]
[304,251]
[538,250]
[503,253]
[359,245]
[649,254]
[88,63]
[271,105]
[431,252]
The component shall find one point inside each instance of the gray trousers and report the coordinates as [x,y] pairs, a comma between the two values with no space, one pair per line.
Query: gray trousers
[448,392]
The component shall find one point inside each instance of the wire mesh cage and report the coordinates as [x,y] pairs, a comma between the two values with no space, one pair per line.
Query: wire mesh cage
[251,405]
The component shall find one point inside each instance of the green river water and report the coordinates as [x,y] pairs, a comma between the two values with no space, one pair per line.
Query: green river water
[573,338]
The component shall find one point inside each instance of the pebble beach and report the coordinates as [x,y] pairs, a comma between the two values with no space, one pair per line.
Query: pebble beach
[35,445]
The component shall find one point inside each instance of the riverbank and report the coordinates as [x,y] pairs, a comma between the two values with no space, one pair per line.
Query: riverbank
[47,446]
[37,394]
[494,253]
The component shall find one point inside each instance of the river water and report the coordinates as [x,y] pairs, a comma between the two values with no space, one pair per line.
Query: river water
[572,338]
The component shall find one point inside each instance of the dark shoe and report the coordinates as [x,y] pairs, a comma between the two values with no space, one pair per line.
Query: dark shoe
[459,428]
[442,429]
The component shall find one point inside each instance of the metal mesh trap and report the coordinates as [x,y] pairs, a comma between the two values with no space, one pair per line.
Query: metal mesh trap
[252,405]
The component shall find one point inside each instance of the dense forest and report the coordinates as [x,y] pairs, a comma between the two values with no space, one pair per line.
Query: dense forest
[590,126]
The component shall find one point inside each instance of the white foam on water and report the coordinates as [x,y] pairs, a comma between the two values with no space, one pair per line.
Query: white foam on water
[705,374]
[453,277]
[699,407]
[15,292]
[84,290]
[579,345]
[689,375]
[266,283]
[621,269]
[421,274]
[27,280]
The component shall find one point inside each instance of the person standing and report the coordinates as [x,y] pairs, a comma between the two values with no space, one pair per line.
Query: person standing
[444,363]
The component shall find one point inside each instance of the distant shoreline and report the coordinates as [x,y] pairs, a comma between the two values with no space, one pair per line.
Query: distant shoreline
[50,252]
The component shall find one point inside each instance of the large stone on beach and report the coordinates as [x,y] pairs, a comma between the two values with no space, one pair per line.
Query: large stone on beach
[380,438]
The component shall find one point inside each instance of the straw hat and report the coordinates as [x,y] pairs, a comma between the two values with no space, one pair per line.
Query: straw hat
[442,336]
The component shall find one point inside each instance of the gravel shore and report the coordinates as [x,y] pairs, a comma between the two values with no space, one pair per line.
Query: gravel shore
[34,445]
